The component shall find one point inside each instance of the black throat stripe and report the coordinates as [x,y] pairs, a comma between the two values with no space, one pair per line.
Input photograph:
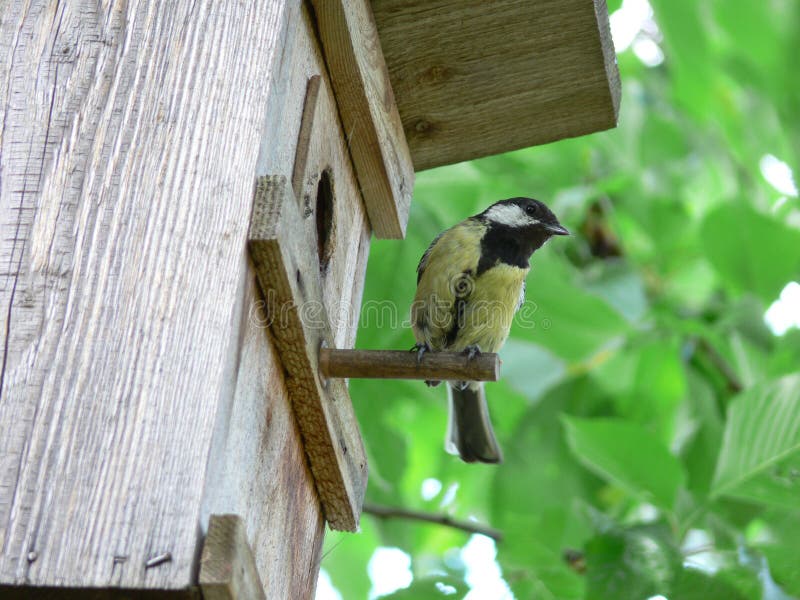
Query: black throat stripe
[502,244]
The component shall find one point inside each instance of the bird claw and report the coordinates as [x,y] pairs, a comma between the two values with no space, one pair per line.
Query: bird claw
[420,349]
[472,351]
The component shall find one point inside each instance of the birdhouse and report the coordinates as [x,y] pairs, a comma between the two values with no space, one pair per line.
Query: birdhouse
[188,194]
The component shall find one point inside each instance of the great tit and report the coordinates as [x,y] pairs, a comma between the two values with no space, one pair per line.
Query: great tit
[470,282]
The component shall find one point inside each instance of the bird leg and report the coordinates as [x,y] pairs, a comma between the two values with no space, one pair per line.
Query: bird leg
[472,351]
[420,348]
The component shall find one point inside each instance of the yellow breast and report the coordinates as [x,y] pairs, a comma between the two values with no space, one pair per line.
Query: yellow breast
[449,293]
[490,308]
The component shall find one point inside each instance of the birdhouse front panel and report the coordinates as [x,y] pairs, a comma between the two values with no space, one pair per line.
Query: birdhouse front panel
[264,468]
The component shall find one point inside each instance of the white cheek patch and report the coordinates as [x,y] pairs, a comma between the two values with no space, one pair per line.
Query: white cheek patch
[511,215]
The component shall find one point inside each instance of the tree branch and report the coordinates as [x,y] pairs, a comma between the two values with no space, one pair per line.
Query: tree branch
[725,369]
[390,512]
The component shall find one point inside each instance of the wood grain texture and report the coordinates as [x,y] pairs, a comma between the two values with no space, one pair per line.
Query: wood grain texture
[304,136]
[131,134]
[472,79]
[283,251]
[367,106]
[61,593]
[227,567]
[258,468]
[399,364]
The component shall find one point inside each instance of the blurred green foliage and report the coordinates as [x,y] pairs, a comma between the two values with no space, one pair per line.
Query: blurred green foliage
[644,403]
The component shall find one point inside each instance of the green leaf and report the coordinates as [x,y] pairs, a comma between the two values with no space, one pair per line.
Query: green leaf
[782,562]
[691,284]
[387,459]
[345,557]
[700,453]
[692,584]
[619,285]
[751,251]
[543,574]
[529,368]
[628,456]
[630,565]
[781,546]
[687,53]
[786,355]
[535,495]
[561,315]
[658,388]
[762,429]
[777,486]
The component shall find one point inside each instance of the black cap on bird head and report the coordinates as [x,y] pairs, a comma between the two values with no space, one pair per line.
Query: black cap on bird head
[524,214]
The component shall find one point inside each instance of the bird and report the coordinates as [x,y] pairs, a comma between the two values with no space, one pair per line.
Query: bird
[470,283]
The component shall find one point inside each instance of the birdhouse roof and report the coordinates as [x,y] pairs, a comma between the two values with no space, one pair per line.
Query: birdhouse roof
[474,78]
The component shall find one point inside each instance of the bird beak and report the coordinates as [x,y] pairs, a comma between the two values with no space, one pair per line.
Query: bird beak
[556,229]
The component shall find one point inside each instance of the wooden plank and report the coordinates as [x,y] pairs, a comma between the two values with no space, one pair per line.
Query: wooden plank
[399,364]
[473,79]
[366,103]
[24,592]
[304,137]
[282,249]
[130,142]
[227,567]
[609,56]
[258,468]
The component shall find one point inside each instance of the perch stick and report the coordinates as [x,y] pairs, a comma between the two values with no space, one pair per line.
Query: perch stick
[397,364]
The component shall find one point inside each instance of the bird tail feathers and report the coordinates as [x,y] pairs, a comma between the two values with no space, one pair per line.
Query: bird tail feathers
[469,430]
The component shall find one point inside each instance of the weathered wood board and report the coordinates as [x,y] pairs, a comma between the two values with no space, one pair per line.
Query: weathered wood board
[275,498]
[289,271]
[472,78]
[366,103]
[62,593]
[227,568]
[258,467]
[123,238]
[134,359]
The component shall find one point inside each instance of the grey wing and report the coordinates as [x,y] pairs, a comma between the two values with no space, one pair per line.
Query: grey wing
[521,297]
[423,262]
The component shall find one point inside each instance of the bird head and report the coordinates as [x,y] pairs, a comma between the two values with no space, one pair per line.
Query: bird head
[525,216]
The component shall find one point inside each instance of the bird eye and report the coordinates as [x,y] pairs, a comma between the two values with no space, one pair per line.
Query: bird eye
[531,209]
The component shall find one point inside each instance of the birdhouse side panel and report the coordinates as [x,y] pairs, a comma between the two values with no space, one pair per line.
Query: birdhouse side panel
[130,139]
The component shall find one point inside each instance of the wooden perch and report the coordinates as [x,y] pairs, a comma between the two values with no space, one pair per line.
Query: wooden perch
[398,364]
